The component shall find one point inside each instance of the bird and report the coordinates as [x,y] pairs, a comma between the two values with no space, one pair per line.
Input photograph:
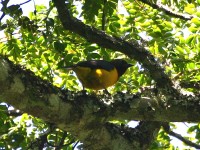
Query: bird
[99,74]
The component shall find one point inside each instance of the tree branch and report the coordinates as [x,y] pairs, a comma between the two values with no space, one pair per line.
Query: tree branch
[39,142]
[71,111]
[67,110]
[132,50]
[145,132]
[24,2]
[3,15]
[167,10]
[178,136]
[14,113]
[191,84]
[4,5]
[31,94]
[103,24]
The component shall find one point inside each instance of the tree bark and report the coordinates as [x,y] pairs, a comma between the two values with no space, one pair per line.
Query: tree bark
[73,111]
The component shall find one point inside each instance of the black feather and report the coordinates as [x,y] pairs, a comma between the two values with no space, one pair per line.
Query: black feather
[96,64]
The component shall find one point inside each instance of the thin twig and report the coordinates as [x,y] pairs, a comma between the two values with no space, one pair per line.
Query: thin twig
[3,15]
[168,10]
[178,136]
[74,146]
[104,15]
[24,2]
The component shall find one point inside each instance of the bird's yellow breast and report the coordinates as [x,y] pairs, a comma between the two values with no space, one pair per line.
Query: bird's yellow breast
[96,79]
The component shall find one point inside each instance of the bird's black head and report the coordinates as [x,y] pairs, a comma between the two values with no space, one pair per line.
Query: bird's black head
[121,66]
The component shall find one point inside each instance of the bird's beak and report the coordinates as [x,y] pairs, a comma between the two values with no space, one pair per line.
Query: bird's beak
[130,65]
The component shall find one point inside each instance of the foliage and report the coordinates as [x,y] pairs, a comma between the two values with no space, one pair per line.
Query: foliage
[40,43]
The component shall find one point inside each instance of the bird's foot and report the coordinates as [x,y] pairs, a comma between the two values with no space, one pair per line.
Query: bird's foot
[84,92]
[105,91]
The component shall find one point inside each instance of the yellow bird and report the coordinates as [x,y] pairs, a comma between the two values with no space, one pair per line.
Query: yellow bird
[99,74]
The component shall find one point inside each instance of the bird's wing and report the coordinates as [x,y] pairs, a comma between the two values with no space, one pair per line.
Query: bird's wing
[96,64]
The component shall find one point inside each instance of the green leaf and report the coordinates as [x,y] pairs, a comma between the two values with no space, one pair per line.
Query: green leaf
[193,29]
[191,66]
[180,50]
[190,39]
[3,108]
[93,56]
[50,22]
[91,9]
[61,64]
[192,128]
[190,8]
[111,6]
[3,26]
[132,11]
[114,27]
[14,10]
[146,24]
[196,21]
[59,47]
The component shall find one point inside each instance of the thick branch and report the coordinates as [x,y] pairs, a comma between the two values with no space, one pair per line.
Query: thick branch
[167,10]
[67,110]
[71,111]
[29,93]
[191,84]
[145,132]
[133,50]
